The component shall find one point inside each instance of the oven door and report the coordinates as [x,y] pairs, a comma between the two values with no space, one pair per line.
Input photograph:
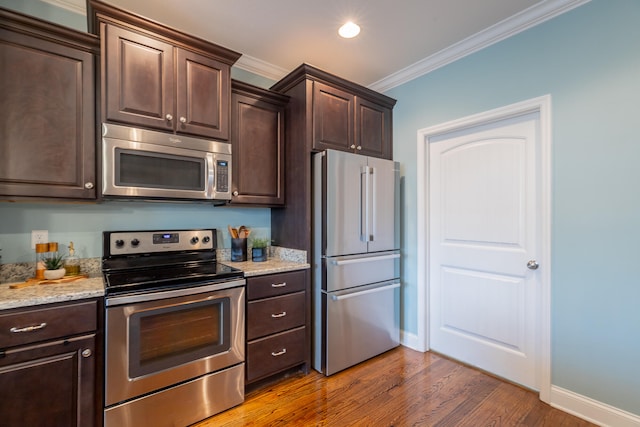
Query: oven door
[167,338]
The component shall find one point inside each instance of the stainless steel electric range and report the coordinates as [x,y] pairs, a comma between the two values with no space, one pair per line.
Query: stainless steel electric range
[174,328]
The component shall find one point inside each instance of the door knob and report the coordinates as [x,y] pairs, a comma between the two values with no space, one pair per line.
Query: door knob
[533,265]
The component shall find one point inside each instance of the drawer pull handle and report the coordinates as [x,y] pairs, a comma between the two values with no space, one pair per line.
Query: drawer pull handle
[275,316]
[279,285]
[280,353]
[28,328]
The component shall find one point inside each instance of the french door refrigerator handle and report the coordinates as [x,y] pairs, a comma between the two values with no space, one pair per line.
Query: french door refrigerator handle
[364,204]
[370,206]
[367,259]
[368,291]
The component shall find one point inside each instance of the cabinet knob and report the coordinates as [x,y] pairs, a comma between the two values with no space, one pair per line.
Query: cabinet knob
[353,146]
[86,352]
[183,119]
[88,185]
[235,193]
[169,117]
[359,147]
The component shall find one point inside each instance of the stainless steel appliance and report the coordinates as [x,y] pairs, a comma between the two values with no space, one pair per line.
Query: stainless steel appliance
[356,285]
[143,164]
[174,328]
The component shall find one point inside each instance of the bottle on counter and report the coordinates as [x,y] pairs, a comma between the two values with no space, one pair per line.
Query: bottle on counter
[42,253]
[72,262]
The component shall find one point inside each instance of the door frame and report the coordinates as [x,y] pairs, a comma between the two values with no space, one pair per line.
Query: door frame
[542,106]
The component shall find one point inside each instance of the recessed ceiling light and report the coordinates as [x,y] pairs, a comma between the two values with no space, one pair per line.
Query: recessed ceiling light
[349,30]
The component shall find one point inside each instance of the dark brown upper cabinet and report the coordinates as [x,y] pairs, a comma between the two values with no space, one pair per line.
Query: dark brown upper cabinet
[373,129]
[159,78]
[48,123]
[345,116]
[257,138]
[333,112]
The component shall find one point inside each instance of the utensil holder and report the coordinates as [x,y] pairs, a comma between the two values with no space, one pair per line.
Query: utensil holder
[239,249]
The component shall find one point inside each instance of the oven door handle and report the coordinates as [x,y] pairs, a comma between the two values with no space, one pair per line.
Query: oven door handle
[111,301]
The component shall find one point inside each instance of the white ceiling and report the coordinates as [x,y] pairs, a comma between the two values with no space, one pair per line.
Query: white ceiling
[399,40]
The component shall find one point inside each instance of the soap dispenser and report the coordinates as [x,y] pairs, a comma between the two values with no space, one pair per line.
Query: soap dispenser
[72,263]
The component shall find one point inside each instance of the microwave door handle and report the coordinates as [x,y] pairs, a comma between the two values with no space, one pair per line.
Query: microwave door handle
[210,174]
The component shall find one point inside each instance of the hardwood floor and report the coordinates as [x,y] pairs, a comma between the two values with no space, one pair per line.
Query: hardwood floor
[402,387]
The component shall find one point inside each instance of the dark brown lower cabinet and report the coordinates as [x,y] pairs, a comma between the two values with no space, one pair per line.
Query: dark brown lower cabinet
[278,330]
[49,365]
[49,384]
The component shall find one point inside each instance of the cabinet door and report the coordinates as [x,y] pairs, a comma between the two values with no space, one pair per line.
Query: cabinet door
[203,95]
[139,79]
[47,125]
[373,129]
[333,111]
[52,384]
[258,151]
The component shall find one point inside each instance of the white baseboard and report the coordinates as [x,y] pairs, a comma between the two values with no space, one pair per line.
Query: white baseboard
[410,340]
[591,410]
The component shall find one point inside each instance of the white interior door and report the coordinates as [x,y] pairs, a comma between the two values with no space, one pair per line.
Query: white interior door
[484,229]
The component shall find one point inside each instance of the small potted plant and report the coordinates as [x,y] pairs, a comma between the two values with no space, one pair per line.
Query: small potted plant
[259,249]
[54,268]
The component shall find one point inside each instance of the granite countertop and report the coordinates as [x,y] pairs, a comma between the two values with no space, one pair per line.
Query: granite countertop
[269,266]
[281,260]
[45,294]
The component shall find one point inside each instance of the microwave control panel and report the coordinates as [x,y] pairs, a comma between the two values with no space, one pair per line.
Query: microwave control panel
[222,176]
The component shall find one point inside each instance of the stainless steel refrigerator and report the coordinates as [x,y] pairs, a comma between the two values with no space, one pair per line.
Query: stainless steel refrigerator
[356,258]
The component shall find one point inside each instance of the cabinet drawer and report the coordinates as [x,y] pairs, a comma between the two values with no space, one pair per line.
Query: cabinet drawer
[275,353]
[38,324]
[275,284]
[275,314]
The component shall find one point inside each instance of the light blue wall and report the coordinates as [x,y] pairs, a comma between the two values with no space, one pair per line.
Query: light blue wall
[249,77]
[589,61]
[83,223]
[48,12]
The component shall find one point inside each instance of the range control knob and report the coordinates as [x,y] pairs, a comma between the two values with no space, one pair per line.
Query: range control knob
[206,239]
[194,240]
[135,242]
[119,243]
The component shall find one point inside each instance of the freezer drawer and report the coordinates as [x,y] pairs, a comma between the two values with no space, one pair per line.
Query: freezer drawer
[360,323]
[350,271]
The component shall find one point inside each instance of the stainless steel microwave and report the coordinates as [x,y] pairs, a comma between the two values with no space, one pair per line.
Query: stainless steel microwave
[143,164]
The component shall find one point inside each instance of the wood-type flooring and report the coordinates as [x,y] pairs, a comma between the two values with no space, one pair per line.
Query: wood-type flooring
[399,388]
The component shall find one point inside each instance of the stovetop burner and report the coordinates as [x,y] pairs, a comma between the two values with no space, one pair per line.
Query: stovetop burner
[143,261]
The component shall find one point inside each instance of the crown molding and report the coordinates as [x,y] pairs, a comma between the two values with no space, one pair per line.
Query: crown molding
[260,67]
[522,21]
[75,6]
[535,15]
